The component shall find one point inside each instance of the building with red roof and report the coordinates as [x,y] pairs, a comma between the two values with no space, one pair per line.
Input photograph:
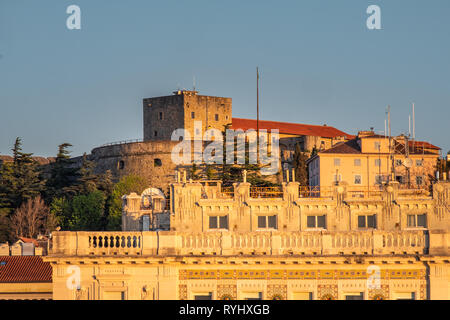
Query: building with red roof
[25,278]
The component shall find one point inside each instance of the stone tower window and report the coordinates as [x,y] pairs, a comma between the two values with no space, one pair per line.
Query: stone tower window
[193,115]
[157,163]
[156,133]
[161,116]
[217,117]
[121,165]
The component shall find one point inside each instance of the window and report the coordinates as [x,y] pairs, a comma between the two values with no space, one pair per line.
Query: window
[157,163]
[367,221]
[302,296]
[216,117]
[357,162]
[354,296]
[145,223]
[398,162]
[121,165]
[399,179]
[417,220]
[378,179]
[265,222]
[316,222]
[253,296]
[193,115]
[357,179]
[419,163]
[155,133]
[377,145]
[337,162]
[203,296]
[419,180]
[404,295]
[160,116]
[218,222]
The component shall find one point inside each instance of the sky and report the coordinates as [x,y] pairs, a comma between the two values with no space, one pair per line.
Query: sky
[318,62]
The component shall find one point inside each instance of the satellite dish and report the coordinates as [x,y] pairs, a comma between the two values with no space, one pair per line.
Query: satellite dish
[408,163]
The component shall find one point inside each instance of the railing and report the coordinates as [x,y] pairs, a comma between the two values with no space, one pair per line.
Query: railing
[364,192]
[266,192]
[121,142]
[315,192]
[227,192]
[240,243]
[106,243]
[406,242]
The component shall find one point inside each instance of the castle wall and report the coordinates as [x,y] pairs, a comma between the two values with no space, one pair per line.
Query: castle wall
[140,158]
[162,115]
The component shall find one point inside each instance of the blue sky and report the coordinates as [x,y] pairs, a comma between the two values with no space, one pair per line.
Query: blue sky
[318,63]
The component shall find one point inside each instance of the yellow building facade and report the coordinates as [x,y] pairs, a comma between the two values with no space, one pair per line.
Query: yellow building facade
[370,160]
[254,243]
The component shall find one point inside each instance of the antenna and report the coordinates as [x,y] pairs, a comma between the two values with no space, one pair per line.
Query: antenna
[409,125]
[414,126]
[414,121]
[193,83]
[257,114]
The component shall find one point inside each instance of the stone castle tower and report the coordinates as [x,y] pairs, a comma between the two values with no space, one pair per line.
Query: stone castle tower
[150,158]
[163,115]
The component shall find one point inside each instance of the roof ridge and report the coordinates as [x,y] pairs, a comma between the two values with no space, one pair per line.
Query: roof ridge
[283,122]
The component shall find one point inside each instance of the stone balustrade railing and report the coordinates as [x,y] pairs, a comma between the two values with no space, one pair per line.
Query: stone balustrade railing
[234,243]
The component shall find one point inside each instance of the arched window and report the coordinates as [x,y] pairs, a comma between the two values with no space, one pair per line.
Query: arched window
[121,165]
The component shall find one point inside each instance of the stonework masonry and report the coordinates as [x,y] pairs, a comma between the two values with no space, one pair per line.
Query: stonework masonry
[396,259]
[163,115]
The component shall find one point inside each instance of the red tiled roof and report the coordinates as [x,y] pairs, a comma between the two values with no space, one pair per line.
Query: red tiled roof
[349,147]
[352,147]
[22,269]
[290,128]
[423,144]
[28,240]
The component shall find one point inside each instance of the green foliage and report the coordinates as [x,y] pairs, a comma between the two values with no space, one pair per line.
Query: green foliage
[61,209]
[87,181]
[19,181]
[126,185]
[87,211]
[63,175]
[300,166]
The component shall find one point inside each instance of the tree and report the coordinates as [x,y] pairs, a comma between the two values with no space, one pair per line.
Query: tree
[30,219]
[21,179]
[125,186]
[61,210]
[63,175]
[87,211]
[300,166]
[87,180]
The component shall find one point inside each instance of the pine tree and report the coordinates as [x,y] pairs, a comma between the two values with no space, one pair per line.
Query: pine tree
[300,166]
[63,175]
[87,180]
[19,182]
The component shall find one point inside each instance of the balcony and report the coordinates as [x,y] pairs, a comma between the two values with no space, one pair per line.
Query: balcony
[270,243]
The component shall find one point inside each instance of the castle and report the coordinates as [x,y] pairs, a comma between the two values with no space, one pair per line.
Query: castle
[151,157]
[331,240]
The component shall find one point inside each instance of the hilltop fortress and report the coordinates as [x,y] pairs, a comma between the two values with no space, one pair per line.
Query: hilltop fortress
[151,157]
